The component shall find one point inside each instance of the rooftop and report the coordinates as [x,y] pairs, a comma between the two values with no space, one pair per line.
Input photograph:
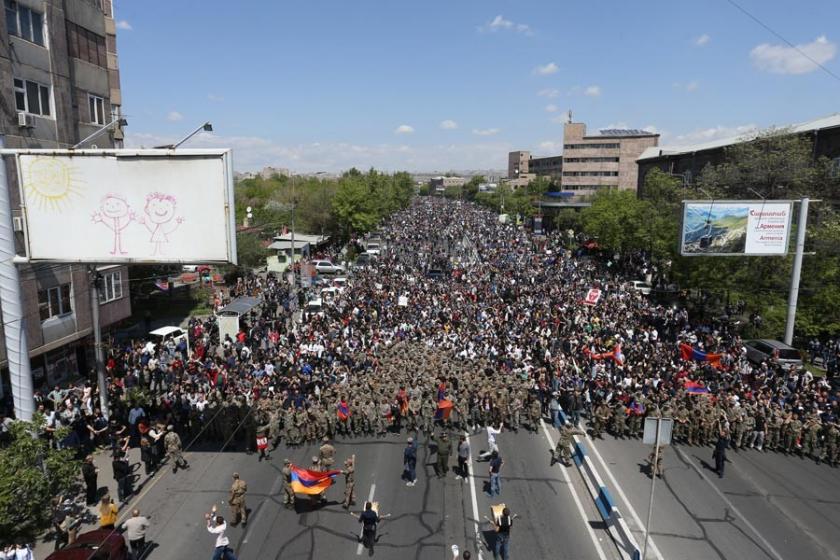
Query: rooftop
[617,132]
[822,123]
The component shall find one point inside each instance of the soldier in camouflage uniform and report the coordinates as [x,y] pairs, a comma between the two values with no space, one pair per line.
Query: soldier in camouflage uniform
[811,439]
[748,427]
[600,419]
[535,414]
[832,443]
[619,419]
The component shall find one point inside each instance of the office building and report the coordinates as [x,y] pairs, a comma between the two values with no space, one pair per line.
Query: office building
[604,160]
[60,71]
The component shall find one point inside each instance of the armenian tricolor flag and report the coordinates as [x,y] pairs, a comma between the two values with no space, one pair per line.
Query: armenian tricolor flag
[695,388]
[687,352]
[444,408]
[305,481]
[343,411]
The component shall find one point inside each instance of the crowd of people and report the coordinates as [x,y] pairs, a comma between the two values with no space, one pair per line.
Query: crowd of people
[463,309]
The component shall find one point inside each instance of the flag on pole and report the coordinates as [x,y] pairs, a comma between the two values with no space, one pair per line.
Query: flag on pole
[305,481]
[695,388]
[343,411]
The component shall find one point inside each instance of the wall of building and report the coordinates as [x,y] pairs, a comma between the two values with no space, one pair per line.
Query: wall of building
[58,342]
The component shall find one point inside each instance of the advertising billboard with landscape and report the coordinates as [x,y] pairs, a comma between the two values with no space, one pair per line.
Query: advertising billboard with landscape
[127,206]
[735,227]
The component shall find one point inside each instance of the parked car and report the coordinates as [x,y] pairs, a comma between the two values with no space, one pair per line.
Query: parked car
[340,283]
[326,267]
[101,544]
[314,307]
[373,248]
[165,334]
[766,349]
[640,286]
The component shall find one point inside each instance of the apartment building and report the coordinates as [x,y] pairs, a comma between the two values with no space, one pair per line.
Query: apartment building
[604,160]
[524,168]
[60,82]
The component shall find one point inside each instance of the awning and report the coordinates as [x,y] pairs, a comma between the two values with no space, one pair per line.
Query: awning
[240,306]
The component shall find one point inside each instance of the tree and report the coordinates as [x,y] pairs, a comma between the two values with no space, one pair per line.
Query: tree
[31,473]
[249,250]
[471,188]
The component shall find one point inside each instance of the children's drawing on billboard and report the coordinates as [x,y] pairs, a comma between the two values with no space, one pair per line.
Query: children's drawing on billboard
[115,215]
[52,184]
[160,219]
[119,206]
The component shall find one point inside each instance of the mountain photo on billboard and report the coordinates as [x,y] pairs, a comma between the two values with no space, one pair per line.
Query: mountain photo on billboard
[715,229]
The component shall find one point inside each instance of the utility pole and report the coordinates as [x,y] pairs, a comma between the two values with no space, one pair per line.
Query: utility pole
[793,295]
[95,284]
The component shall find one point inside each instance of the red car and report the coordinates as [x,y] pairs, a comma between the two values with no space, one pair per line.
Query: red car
[101,544]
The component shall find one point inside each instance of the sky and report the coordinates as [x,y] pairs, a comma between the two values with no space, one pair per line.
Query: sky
[440,85]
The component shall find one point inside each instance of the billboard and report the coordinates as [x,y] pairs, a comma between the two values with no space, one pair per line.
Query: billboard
[127,206]
[735,227]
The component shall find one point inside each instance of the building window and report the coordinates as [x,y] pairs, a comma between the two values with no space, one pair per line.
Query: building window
[610,146]
[24,22]
[590,173]
[111,287]
[592,160]
[86,45]
[97,109]
[32,97]
[55,302]
[834,172]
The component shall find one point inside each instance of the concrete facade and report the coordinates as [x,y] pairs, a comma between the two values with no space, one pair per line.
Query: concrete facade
[605,160]
[518,164]
[50,74]
[444,182]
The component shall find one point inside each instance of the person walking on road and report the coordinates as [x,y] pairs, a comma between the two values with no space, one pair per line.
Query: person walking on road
[238,510]
[135,528]
[444,448]
[492,432]
[288,495]
[463,458]
[89,472]
[719,454]
[172,442]
[495,474]
[216,526]
[349,482]
[410,462]
[123,476]
[503,526]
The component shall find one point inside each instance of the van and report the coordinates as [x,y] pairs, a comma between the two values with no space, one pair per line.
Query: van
[164,334]
[766,350]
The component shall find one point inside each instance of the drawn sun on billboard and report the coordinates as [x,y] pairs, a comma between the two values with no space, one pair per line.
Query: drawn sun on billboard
[52,183]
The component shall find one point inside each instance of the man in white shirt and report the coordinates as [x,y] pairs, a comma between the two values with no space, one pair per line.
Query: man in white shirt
[492,432]
[135,529]
[216,526]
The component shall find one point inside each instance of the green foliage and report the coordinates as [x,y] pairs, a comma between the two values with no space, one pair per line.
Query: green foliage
[362,200]
[471,188]
[31,473]
[250,252]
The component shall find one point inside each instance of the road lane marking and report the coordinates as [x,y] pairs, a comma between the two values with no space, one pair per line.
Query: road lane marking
[274,489]
[621,493]
[474,500]
[361,546]
[576,498]
[743,517]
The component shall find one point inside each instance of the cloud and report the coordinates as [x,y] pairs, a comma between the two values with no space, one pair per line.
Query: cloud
[592,91]
[550,146]
[499,23]
[702,40]
[546,69]
[550,93]
[252,153]
[689,87]
[782,59]
[124,25]
[486,131]
[551,108]
[703,135]
[174,116]
[404,129]
[214,97]
[448,124]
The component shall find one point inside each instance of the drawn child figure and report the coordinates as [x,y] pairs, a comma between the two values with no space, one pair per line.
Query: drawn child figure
[160,219]
[115,214]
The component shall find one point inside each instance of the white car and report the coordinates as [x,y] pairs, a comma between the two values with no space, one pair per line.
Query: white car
[326,267]
[164,334]
[373,248]
[640,286]
[339,283]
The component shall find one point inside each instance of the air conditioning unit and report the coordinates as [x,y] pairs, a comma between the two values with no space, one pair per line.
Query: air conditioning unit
[17,223]
[25,121]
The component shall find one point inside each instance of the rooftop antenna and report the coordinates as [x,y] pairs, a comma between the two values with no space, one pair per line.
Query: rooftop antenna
[569,116]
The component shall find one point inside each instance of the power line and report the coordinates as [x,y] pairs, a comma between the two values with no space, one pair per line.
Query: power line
[791,45]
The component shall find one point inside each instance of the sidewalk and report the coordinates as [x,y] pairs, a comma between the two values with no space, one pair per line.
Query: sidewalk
[107,485]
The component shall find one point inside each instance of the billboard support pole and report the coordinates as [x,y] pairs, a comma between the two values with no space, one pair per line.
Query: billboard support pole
[793,296]
[17,349]
[95,280]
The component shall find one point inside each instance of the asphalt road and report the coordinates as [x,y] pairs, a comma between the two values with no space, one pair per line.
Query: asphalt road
[767,506]
[556,516]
